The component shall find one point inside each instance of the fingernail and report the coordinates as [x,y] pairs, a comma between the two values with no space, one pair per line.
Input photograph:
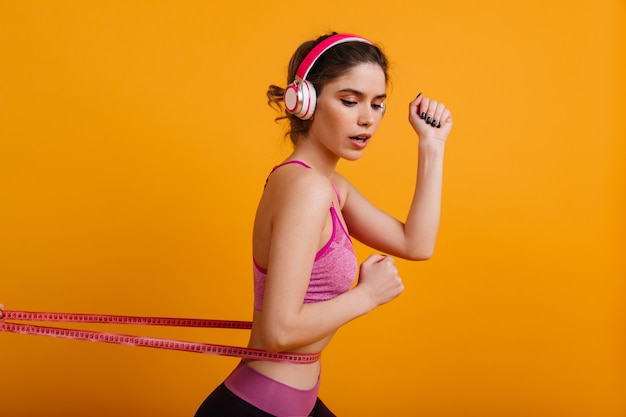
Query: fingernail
[430,119]
[434,123]
[423,115]
[418,95]
[439,125]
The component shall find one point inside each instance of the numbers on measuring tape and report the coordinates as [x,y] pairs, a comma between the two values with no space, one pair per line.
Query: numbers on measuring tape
[132,340]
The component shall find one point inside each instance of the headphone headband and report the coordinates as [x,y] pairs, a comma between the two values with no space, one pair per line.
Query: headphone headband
[300,96]
[319,49]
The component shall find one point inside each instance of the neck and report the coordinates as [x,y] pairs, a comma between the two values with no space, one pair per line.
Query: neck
[321,160]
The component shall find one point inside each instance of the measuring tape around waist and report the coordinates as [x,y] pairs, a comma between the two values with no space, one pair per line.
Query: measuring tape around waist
[131,340]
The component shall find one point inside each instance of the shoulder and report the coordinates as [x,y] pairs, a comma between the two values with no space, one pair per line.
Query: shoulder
[297,187]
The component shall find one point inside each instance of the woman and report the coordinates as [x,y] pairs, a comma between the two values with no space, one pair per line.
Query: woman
[304,262]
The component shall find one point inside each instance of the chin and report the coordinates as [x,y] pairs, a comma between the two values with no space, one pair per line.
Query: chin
[352,156]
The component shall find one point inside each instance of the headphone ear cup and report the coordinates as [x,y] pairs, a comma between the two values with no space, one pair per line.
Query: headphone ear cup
[300,99]
[291,98]
[309,100]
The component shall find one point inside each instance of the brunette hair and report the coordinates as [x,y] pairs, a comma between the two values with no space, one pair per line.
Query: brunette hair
[333,63]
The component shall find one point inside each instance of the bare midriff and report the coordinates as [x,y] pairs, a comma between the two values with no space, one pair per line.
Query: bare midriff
[300,376]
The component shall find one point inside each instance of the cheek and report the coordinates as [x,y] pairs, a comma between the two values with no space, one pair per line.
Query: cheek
[337,119]
[341,115]
[331,119]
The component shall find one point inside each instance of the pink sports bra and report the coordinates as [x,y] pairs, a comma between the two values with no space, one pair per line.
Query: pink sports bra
[335,267]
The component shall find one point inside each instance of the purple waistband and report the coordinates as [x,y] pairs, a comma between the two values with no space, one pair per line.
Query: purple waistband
[269,395]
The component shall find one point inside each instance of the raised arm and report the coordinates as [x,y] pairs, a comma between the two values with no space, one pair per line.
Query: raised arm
[415,238]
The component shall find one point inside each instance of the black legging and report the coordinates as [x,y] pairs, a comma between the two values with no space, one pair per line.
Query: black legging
[223,403]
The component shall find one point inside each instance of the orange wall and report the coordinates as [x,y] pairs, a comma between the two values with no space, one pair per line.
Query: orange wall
[135,140]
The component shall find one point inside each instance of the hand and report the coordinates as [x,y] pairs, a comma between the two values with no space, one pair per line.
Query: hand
[1,311]
[379,276]
[430,119]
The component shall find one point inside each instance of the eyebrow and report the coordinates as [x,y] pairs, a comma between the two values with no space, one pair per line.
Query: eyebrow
[360,93]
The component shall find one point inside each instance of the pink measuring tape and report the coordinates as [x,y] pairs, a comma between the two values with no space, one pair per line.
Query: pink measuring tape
[121,339]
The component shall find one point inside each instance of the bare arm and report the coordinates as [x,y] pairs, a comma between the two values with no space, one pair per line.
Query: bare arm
[299,220]
[415,238]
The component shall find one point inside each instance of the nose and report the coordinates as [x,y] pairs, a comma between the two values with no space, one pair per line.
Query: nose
[366,116]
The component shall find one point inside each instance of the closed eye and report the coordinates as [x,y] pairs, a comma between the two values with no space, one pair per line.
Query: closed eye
[378,106]
[348,102]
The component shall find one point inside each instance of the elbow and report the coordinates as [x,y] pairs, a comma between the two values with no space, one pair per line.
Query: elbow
[273,346]
[275,339]
[421,253]
[418,247]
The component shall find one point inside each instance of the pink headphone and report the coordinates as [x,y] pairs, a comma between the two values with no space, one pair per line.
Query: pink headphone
[300,95]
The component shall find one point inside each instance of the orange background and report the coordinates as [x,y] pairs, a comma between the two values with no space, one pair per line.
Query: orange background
[135,141]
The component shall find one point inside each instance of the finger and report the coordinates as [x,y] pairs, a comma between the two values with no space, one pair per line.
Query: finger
[423,108]
[374,259]
[430,113]
[414,106]
[437,117]
[446,117]
[391,265]
[384,258]
[416,101]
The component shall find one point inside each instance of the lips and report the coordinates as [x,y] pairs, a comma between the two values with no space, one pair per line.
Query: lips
[360,141]
[361,138]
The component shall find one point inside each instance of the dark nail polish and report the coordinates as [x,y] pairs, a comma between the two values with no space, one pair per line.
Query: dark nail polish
[418,95]
[434,123]
[423,115]
[439,125]
[430,119]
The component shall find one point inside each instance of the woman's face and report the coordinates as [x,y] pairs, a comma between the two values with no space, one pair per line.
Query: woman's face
[348,111]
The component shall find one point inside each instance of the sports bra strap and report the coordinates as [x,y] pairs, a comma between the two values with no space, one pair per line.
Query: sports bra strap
[295,161]
[336,193]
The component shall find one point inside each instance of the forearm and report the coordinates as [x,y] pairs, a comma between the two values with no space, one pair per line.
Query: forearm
[422,223]
[315,321]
